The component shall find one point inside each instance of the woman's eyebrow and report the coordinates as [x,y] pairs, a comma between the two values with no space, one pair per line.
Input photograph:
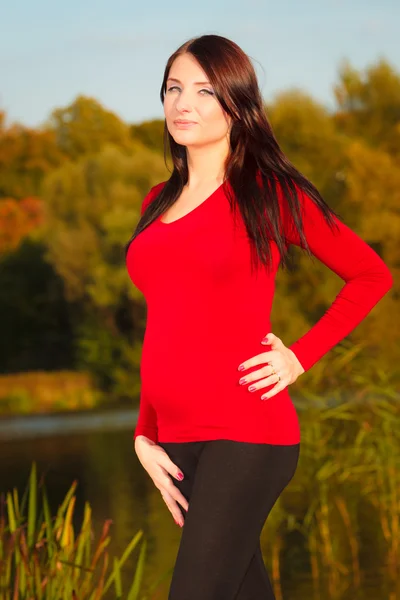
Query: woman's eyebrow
[195,83]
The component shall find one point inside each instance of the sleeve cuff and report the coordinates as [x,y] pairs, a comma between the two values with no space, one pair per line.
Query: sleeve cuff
[149,432]
[305,362]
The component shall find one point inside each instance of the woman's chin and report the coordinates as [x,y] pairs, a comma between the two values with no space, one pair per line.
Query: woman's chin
[186,138]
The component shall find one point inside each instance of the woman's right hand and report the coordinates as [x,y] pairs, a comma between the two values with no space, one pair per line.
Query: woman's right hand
[159,466]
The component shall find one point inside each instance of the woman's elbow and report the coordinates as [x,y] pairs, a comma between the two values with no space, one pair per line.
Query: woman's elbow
[386,279]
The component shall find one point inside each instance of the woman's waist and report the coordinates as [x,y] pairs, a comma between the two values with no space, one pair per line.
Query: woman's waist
[200,333]
[194,354]
[211,322]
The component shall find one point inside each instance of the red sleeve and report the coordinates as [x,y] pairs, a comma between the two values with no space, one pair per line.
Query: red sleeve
[147,418]
[367,279]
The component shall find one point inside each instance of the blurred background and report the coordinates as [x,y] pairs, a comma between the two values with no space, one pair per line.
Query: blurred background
[81,127]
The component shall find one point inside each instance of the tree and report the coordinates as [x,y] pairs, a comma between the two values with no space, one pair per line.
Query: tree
[92,207]
[26,156]
[369,105]
[17,220]
[35,319]
[85,126]
[308,135]
[371,204]
[150,133]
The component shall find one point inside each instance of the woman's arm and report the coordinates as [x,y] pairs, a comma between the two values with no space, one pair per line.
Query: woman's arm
[147,420]
[367,279]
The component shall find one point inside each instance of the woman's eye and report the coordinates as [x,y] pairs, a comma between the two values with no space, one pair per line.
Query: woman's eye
[175,87]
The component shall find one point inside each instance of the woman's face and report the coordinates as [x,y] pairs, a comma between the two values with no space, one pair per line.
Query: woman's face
[190,97]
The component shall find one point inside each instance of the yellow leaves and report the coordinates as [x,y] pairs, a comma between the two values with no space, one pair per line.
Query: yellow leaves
[307,133]
[373,190]
[373,177]
[46,391]
[369,105]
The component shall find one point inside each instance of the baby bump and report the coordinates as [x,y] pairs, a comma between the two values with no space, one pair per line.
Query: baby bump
[189,380]
[180,379]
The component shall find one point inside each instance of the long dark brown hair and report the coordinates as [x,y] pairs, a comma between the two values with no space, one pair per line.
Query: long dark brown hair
[255,166]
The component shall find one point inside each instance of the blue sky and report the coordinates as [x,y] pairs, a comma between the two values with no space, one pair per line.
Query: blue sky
[116,51]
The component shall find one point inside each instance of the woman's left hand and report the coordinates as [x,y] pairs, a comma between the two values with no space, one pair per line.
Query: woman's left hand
[283,368]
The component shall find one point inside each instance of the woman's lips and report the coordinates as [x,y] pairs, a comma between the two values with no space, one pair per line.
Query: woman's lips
[184,125]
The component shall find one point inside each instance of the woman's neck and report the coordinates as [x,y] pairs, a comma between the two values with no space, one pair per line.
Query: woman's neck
[206,164]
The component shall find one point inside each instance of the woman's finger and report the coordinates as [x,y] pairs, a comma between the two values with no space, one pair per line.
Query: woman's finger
[264,372]
[176,494]
[171,467]
[172,506]
[275,390]
[267,381]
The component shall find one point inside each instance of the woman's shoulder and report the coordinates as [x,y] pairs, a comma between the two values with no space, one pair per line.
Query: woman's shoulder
[158,187]
[151,194]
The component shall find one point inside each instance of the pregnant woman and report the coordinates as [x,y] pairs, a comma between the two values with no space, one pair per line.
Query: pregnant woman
[217,431]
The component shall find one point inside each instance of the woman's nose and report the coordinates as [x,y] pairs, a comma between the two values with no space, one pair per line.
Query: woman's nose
[183,103]
[183,107]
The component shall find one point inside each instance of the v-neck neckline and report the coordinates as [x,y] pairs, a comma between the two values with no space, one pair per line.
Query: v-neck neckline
[191,212]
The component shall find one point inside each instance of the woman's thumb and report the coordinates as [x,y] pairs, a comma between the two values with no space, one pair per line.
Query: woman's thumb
[266,339]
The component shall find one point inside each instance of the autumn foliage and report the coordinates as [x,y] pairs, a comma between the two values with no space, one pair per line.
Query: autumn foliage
[17,219]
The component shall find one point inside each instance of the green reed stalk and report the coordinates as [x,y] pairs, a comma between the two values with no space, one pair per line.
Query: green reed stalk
[44,558]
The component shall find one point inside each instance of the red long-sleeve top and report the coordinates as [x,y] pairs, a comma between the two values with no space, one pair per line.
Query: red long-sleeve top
[207,313]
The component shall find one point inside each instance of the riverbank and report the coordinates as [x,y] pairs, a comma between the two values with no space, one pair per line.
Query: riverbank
[17,426]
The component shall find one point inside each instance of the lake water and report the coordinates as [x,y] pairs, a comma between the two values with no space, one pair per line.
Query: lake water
[101,457]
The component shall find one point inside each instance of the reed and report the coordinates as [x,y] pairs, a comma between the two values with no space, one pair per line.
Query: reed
[43,557]
[346,491]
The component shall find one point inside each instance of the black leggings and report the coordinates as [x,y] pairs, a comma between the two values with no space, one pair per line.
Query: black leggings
[231,488]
